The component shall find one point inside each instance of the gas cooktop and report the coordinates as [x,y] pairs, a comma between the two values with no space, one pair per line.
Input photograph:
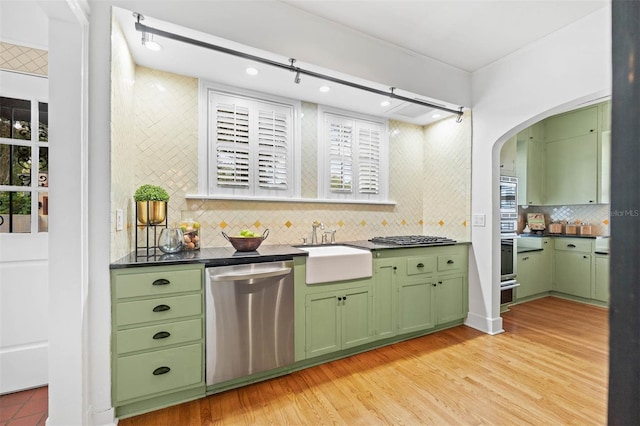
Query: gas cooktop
[413,240]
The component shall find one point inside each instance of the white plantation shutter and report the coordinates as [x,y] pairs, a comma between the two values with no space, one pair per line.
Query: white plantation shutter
[340,155]
[251,146]
[368,160]
[353,158]
[232,147]
[273,149]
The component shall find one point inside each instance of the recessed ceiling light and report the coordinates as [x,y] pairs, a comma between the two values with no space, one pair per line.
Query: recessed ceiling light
[251,71]
[436,116]
[385,103]
[153,46]
[324,89]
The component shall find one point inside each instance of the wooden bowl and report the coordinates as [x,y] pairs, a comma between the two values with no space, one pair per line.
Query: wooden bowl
[246,243]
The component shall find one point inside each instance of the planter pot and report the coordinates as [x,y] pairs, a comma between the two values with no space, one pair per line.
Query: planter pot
[151,212]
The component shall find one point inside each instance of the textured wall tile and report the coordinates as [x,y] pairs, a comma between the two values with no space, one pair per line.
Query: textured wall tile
[122,143]
[166,146]
[596,215]
[447,178]
[24,59]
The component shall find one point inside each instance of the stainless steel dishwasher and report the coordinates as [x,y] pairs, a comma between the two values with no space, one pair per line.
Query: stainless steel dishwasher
[249,319]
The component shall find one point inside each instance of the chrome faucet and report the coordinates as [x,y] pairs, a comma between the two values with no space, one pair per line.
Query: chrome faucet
[314,234]
[331,232]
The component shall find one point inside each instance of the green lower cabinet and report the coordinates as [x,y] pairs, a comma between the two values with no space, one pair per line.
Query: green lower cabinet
[385,298]
[573,273]
[528,274]
[450,299]
[601,290]
[157,337]
[337,320]
[416,306]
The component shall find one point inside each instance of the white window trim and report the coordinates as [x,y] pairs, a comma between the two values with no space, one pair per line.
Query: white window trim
[206,156]
[323,158]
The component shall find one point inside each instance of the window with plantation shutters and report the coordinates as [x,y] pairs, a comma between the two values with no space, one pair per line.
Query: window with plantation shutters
[232,145]
[353,156]
[251,144]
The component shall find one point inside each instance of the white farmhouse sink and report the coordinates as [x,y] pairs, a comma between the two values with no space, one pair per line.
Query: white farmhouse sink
[337,263]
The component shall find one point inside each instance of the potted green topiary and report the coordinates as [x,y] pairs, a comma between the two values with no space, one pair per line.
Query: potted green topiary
[151,204]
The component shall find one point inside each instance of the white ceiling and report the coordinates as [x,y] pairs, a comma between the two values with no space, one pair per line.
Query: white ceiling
[466,34]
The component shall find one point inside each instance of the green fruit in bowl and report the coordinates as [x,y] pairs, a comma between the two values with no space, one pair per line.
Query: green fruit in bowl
[248,234]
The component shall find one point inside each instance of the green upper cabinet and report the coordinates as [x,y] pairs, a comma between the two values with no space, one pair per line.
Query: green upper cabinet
[571,170]
[508,158]
[529,165]
[566,159]
[571,124]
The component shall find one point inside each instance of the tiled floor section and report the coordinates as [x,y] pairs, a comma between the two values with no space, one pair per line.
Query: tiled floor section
[26,408]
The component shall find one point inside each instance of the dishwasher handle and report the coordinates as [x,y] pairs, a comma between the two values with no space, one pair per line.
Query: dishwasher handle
[250,275]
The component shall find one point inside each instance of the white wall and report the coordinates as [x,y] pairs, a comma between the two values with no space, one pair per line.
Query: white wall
[24,23]
[554,74]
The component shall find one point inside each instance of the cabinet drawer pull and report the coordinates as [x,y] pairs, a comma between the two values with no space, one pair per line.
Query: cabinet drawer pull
[525,258]
[439,282]
[161,308]
[420,265]
[571,245]
[161,370]
[161,335]
[450,262]
[161,281]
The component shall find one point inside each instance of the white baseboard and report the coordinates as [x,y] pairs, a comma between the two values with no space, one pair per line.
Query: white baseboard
[487,325]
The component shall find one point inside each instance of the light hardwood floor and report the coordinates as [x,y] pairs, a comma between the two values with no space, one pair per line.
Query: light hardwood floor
[550,367]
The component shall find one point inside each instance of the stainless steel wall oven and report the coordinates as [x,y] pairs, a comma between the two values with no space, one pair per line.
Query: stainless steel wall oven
[508,238]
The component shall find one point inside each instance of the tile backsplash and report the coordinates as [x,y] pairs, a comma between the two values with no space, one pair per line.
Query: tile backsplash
[596,215]
[429,173]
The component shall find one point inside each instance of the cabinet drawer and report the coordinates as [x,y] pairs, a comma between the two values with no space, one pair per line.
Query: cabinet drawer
[157,283]
[421,265]
[572,244]
[161,308]
[158,371]
[158,336]
[451,262]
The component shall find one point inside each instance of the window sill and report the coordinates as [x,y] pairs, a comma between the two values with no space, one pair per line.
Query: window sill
[289,200]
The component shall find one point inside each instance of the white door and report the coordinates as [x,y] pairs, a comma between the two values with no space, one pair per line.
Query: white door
[24,154]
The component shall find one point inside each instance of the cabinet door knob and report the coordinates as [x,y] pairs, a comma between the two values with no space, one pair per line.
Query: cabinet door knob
[161,370]
[161,281]
[585,256]
[395,268]
[161,335]
[434,284]
[161,308]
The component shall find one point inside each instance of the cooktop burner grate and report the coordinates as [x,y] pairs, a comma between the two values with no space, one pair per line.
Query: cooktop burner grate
[413,240]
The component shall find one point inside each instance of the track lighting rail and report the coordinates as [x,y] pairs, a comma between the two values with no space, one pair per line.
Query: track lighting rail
[290,66]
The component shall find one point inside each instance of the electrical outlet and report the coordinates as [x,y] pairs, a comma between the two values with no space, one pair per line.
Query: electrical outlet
[478,220]
[119,219]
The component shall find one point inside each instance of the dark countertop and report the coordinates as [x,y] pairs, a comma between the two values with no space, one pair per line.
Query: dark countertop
[213,256]
[601,252]
[561,236]
[221,256]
